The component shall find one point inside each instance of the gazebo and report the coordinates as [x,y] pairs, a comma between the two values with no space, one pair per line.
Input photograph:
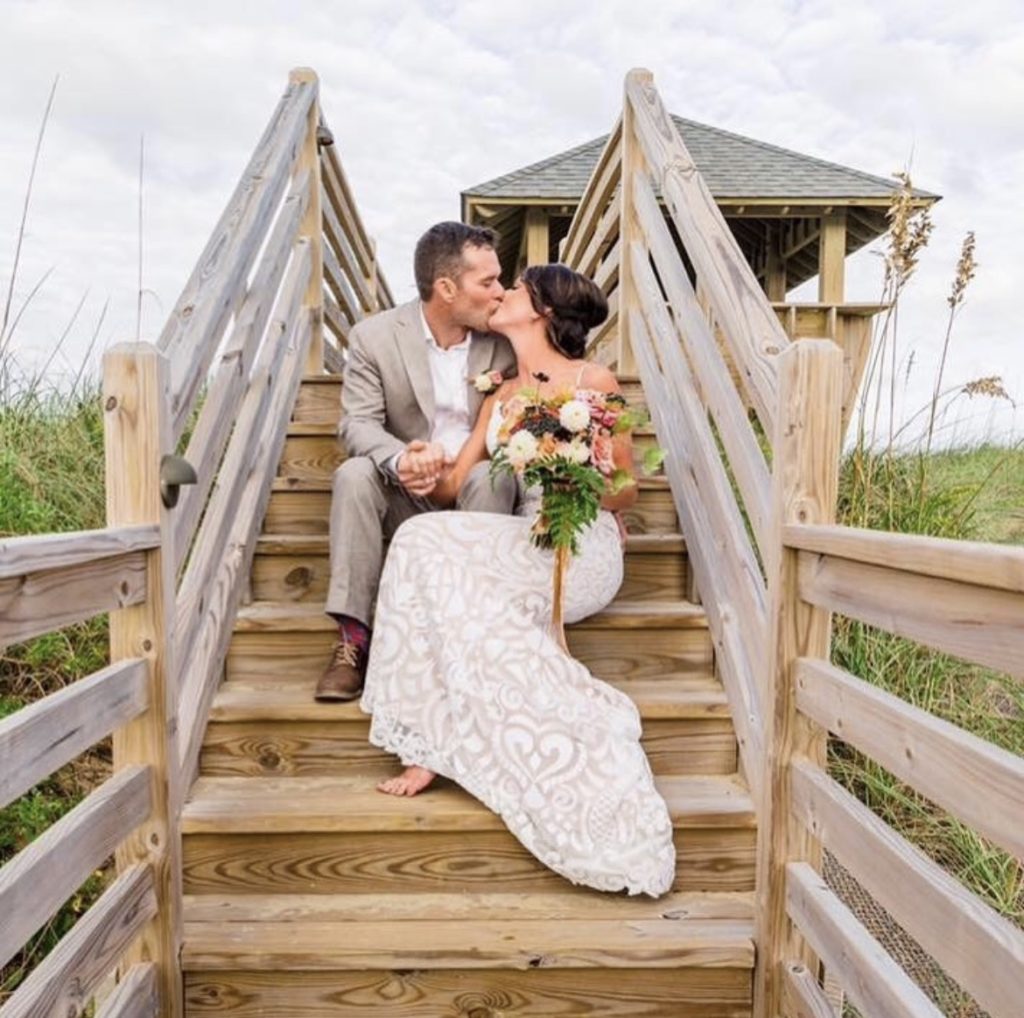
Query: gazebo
[794,216]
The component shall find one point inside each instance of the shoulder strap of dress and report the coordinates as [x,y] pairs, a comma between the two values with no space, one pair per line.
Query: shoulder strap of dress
[579,377]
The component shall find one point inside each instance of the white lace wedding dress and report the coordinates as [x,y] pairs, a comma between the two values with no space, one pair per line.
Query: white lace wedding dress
[466,679]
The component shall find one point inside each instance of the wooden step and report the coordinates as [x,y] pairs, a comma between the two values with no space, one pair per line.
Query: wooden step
[319,399]
[300,506]
[339,835]
[475,931]
[688,992]
[628,641]
[312,452]
[297,568]
[277,728]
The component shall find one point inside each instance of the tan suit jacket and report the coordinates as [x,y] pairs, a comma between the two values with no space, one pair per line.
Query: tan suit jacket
[387,395]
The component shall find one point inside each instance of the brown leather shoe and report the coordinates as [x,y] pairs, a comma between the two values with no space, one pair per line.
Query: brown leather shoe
[343,677]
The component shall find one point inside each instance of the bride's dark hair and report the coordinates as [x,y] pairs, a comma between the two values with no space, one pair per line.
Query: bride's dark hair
[571,303]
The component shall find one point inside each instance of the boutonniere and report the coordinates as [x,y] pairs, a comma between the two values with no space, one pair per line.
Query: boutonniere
[487,381]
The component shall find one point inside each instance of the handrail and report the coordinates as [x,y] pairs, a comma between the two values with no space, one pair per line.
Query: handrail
[215,288]
[173,578]
[738,303]
[771,567]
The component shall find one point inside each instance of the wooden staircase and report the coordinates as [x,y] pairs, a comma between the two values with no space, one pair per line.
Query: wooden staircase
[309,893]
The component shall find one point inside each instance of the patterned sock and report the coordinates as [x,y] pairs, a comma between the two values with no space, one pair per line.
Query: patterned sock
[353,631]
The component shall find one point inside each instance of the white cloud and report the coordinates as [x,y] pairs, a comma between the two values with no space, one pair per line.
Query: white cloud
[426,99]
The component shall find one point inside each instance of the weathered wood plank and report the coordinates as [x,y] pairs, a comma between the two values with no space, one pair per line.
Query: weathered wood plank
[43,736]
[352,804]
[243,451]
[305,508]
[655,567]
[691,444]
[985,565]
[336,320]
[325,746]
[136,995]
[803,996]
[138,431]
[471,944]
[973,779]
[345,257]
[35,553]
[806,444]
[980,949]
[344,206]
[37,881]
[873,981]
[707,859]
[613,654]
[745,457]
[65,980]
[740,306]
[979,624]
[540,993]
[599,252]
[340,286]
[41,602]
[220,410]
[216,286]
[311,229]
[595,198]
[733,661]
[571,902]
[205,658]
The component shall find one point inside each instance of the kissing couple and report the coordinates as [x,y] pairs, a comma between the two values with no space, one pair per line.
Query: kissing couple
[464,675]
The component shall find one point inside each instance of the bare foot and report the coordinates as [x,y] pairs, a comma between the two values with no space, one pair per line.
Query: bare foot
[409,782]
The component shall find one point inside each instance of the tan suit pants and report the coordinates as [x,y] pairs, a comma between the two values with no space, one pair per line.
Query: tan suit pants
[366,510]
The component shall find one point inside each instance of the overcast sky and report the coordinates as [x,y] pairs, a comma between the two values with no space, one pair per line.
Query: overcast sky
[426,99]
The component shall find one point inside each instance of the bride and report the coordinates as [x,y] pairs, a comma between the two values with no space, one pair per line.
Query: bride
[466,678]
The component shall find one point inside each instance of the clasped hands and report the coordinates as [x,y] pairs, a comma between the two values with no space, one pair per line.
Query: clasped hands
[421,466]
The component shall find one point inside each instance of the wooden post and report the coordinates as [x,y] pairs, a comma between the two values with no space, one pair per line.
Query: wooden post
[633,162]
[832,258]
[138,432]
[537,236]
[311,226]
[775,264]
[806,446]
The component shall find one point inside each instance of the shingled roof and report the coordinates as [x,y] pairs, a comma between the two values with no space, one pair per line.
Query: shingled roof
[732,166]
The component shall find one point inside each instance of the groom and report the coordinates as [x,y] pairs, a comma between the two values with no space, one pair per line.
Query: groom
[408,404]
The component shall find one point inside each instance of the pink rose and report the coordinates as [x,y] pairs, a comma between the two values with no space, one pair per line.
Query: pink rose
[601,454]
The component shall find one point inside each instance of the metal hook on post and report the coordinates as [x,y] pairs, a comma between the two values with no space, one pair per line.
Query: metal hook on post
[174,472]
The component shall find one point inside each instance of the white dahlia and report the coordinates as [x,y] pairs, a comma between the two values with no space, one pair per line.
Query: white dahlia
[521,449]
[574,415]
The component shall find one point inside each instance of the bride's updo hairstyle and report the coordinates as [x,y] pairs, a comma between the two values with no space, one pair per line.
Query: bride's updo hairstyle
[571,303]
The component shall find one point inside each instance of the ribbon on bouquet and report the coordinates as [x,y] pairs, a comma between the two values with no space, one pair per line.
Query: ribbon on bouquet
[562,554]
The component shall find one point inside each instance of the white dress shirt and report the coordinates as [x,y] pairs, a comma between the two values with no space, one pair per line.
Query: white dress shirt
[451,426]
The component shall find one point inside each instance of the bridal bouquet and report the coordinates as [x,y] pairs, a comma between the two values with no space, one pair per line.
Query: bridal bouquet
[563,444]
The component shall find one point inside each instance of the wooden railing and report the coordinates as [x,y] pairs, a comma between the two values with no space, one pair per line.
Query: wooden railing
[46,583]
[752,424]
[288,256]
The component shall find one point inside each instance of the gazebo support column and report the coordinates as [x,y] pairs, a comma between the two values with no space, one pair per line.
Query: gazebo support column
[832,258]
[775,265]
[537,236]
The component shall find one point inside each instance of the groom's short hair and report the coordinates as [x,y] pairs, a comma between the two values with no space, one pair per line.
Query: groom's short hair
[439,252]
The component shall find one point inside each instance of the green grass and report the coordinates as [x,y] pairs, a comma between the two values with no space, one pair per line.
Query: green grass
[51,479]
